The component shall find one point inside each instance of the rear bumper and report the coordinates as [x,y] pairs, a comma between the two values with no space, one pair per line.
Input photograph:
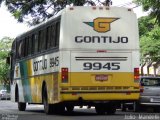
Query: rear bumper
[150,104]
[150,100]
[99,96]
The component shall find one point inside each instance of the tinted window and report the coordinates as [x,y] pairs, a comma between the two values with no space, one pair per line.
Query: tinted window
[57,33]
[150,81]
[53,35]
[36,43]
[21,46]
[26,46]
[33,44]
[29,45]
[48,36]
[17,49]
[42,40]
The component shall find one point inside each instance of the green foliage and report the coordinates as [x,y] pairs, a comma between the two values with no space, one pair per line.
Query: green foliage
[5,46]
[36,11]
[149,38]
[149,29]
[4,70]
[153,6]
[145,24]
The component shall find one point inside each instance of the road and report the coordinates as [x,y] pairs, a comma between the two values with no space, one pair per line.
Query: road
[9,111]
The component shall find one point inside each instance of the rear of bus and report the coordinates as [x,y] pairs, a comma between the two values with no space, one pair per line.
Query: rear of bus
[99,54]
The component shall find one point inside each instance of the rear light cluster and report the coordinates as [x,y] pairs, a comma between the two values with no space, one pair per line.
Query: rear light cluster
[101,51]
[95,7]
[71,8]
[136,74]
[141,89]
[64,76]
[100,8]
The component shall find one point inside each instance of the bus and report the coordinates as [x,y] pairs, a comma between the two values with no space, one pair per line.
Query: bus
[82,56]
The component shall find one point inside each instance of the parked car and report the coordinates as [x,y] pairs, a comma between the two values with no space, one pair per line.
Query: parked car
[149,96]
[4,94]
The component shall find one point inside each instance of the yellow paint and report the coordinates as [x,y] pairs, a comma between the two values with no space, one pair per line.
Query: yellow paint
[79,82]
[84,82]
[100,96]
[52,88]
[29,65]
[103,24]
[114,79]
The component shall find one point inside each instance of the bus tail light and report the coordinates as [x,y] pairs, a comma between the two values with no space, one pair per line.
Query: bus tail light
[101,51]
[71,8]
[94,7]
[64,75]
[136,74]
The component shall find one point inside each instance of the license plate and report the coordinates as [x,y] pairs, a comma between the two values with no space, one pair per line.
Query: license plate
[101,77]
[155,99]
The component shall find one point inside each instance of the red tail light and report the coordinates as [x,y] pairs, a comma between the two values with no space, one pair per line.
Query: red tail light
[64,75]
[101,51]
[94,7]
[136,74]
[71,8]
[141,89]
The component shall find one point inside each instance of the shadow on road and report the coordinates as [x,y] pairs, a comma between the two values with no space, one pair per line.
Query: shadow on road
[76,112]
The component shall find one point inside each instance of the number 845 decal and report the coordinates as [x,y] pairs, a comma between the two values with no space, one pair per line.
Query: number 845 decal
[100,66]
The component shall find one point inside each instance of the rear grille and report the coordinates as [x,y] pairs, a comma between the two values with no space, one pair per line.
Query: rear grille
[99,88]
[101,58]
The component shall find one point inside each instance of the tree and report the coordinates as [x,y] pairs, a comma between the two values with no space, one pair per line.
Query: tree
[153,6]
[5,46]
[4,70]
[145,24]
[149,28]
[36,11]
[149,38]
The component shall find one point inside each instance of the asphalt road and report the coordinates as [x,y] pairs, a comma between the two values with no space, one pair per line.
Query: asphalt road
[9,111]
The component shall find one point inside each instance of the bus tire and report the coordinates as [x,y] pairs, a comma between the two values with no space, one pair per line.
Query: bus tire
[48,108]
[136,107]
[70,108]
[59,108]
[123,107]
[111,110]
[100,109]
[21,106]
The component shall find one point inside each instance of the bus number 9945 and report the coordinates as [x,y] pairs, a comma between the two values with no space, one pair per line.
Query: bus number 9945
[100,66]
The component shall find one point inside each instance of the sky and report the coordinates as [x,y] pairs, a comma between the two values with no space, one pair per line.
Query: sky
[9,27]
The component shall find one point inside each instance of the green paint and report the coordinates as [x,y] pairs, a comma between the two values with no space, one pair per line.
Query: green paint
[89,23]
[25,81]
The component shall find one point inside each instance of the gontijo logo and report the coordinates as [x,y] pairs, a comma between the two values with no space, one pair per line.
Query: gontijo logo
[101,24]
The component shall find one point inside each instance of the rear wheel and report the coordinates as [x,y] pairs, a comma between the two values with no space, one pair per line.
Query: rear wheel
[136,106]
[69,108]
[123,107]
[21,106]
[157,109]
[59,108]
[111,109]
[100,109]
[48,108]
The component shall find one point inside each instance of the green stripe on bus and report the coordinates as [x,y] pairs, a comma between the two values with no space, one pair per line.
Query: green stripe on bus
[25,81]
